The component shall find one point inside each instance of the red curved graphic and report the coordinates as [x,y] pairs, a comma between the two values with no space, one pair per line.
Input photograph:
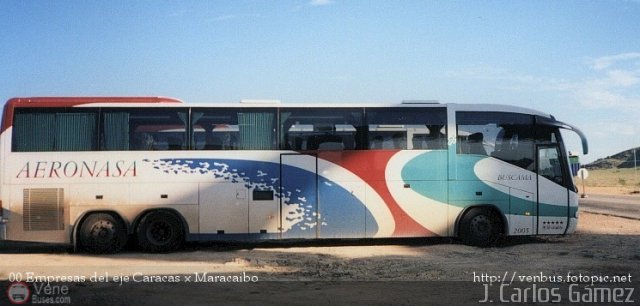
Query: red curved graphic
[371,166]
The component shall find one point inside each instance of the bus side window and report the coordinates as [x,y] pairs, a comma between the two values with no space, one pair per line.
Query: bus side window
[407,128]
[505,136]
[125,129]
[212,142]
[550,166]
[325,129]
[376,143]
[144,141]
[233,128]
[476,145]
[399,141]
[471,140]
[437,138]
[330,142]
[53,129]
[174,143]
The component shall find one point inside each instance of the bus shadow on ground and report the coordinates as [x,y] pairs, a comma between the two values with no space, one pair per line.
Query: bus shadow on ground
[410,242]
[295,243]
[17,247]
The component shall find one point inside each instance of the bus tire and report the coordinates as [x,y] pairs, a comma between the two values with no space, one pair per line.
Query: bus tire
[102,233]
[480,227]
[160,231]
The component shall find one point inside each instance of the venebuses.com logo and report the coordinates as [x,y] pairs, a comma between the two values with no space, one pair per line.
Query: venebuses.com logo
[18,293]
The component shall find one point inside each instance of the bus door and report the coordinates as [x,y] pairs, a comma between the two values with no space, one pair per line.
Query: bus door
[553,195]
[298,196]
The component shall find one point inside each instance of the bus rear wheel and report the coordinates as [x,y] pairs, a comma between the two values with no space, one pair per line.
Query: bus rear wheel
[102,233]
[480,227]
[160,231]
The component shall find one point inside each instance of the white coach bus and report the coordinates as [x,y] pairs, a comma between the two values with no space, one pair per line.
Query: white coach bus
[97,172]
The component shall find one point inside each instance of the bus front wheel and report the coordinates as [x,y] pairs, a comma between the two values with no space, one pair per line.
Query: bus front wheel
[480,227]
[160,231]
[102,233]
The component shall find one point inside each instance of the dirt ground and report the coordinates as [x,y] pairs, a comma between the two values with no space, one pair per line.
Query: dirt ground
[602,246]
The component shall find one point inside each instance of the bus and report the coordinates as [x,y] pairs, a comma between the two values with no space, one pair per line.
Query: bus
[100,172]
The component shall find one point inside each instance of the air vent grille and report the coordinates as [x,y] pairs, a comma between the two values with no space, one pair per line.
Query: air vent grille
[43,209]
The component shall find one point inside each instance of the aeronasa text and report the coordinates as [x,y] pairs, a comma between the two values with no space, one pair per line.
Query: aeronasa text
[79,169]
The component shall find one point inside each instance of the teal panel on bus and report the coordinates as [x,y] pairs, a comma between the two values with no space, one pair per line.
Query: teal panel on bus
[521,207]
[465,164]
[549,210]
[427,175]
[430,166]
[469,190]
[475,191]
[435,190]
[469,193]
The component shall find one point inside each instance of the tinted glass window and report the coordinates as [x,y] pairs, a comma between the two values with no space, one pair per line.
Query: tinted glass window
[321,128]
[506,136]
[233,129]
[45,130]
[144,129]
[407,128]
[551,165]
[547,134]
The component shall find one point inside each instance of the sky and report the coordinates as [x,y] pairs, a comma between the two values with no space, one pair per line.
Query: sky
[577,60]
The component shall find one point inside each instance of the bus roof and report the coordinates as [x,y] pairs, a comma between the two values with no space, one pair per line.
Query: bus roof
[73,101]
[154,101]
[7,115]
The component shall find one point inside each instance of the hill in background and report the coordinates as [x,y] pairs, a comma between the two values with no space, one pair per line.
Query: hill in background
[623,159]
